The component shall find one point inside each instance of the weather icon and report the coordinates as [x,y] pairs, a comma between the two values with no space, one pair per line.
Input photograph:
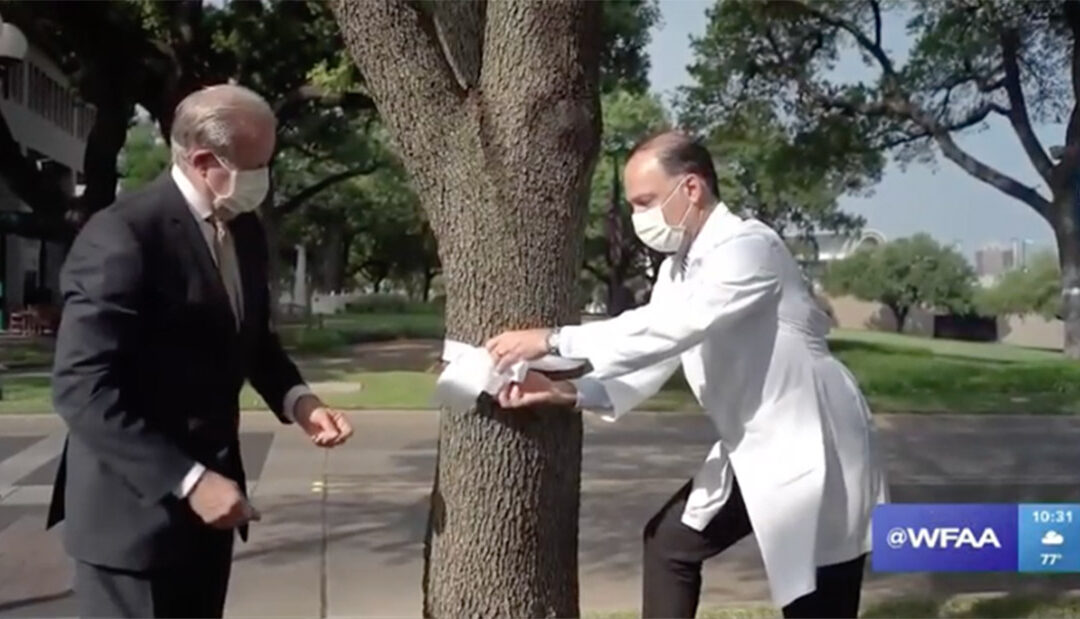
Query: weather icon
[1053,538]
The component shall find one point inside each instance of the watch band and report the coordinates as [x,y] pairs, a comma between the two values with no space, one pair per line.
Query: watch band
[553,341]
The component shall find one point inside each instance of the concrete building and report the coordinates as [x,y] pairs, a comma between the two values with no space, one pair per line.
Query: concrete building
[995,259]
[50,124]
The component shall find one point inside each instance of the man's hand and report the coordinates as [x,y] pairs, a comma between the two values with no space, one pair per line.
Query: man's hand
[218,501]
[537,389]
[327,427]
[513,346]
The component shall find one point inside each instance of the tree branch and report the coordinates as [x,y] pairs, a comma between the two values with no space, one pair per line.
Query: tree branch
[1072,132]
[1018,113]
[289,105]
[990,175]
[305,194]
[871,47]
[407,72]
[40,193]
[459,28]
[876,8]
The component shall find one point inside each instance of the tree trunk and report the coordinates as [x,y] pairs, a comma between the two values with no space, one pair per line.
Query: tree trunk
[103,145]
[1067,230]
[516,102]
[901,314]
[334,254]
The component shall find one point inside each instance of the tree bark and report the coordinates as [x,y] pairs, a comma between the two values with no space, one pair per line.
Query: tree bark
[1067,231]
[502,166]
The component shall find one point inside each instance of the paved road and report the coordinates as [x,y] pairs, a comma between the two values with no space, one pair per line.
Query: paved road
[361,542]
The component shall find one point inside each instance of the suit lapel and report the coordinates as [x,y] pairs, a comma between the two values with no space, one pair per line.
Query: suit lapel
[191,242]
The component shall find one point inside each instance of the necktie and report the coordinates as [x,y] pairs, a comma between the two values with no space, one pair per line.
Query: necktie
[225,256]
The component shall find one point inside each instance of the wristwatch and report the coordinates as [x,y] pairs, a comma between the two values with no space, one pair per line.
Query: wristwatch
[553,341]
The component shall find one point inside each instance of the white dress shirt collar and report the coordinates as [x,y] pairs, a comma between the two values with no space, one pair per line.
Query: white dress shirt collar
[199,205]
[716,228]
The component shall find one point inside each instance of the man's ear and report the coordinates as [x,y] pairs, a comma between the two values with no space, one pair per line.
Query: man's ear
[202,160]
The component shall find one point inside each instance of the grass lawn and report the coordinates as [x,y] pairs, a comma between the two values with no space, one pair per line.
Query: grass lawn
[898,373]
[35,352]
[968,606]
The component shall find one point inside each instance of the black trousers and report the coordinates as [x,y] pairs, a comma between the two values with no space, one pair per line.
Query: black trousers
[674,553]
[195,588]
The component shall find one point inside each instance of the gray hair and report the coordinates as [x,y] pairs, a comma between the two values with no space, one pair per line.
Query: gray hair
[212,117]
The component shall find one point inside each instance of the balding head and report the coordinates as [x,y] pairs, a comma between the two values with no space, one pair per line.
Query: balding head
[222,119]
[672,175]
[223,140]
[677,154]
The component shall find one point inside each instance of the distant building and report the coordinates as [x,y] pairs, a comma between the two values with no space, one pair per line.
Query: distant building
[996,259]
[51,125]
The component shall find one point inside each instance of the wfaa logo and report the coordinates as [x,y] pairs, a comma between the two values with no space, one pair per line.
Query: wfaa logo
[944,538]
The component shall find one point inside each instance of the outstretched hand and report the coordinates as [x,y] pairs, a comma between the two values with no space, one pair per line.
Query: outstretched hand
[513,346]
[327,427]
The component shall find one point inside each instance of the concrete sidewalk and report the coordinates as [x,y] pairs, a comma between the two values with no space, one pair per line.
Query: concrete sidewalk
[342,530]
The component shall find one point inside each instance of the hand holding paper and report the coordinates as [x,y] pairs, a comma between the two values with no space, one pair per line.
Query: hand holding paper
[536,389]
[472,370]
[515,346]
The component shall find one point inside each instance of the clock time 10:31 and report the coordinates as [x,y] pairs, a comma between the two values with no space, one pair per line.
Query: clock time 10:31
[1052,516]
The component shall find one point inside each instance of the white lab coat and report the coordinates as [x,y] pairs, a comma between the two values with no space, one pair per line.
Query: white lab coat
[793,426]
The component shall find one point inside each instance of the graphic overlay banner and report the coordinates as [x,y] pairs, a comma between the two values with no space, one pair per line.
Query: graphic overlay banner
[944,538]
[1049,538]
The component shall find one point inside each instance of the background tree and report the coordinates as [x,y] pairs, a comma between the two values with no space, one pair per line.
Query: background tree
[626,29]
[789,181]
[971,61]
[614,257]
[123,53]
[1035,289]
[905,274]
[494,108]
[144,157]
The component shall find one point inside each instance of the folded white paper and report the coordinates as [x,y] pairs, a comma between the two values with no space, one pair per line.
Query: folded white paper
[471,371]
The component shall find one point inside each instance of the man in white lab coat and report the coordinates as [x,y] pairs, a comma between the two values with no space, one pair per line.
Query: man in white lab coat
[795,462]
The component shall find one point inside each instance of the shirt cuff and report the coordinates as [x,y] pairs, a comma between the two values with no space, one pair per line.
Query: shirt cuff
[591,394]
[188,483]
[292,396]
[565,343]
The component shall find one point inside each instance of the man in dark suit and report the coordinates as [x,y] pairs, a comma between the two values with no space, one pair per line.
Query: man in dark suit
[166,313]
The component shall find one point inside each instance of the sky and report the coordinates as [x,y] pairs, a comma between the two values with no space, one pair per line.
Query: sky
[940,199]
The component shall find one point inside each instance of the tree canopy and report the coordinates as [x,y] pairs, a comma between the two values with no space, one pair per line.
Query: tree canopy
[905,274]
[970,62]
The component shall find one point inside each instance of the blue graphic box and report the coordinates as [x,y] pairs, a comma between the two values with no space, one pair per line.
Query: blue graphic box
[944,537]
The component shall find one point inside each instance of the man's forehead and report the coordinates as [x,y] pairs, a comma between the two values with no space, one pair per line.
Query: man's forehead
[644,174]
[254,143]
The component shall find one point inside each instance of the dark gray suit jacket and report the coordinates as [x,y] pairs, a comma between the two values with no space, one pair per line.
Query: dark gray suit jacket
[149,366]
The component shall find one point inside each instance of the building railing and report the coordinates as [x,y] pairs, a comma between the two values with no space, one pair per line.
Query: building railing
[30,86]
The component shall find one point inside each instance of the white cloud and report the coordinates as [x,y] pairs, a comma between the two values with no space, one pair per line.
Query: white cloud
[1053,538]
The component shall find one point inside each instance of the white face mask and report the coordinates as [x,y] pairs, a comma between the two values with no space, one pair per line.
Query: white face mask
[655,232]
[249,188]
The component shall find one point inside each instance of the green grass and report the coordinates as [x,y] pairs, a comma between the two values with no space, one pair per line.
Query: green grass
[25,394]
[35,352]
[960,607]
[335,332]
[948,348]
[907,374]
[897,373]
